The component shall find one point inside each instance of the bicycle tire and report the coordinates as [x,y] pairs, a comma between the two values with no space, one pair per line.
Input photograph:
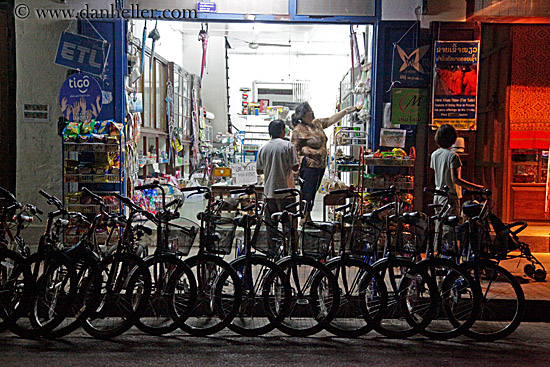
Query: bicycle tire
[362,305]
[502,304]
[310,313]
[122,299]
[208,315]
[86,299]
[157,317]
[268,284]
[412,299]
[56,285]
[16,287]
[459,301]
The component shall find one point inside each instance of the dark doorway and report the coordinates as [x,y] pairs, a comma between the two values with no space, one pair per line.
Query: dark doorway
[7,97]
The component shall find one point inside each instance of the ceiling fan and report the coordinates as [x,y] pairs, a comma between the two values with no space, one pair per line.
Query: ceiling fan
[254,45]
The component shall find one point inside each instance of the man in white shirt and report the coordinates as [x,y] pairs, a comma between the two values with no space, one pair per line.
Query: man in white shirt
[277,160]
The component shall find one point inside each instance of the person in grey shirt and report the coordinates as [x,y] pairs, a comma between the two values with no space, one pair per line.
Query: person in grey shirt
[277,160]
[446,164]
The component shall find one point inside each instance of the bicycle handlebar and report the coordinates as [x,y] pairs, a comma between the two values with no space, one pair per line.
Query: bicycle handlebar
[343,207]
[52,200]
[153,185]
[128,202]
[444,192]
[291,191]
[482,192]
[250,190]
[390,191]
[94,197]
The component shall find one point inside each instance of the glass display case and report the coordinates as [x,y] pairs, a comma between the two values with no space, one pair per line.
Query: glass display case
[529,165]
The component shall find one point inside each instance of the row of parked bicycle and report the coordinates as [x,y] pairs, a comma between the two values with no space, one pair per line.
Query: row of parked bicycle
[392,272]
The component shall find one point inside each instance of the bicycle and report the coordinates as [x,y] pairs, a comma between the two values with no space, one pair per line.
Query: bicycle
[315,297]
[218,300]
[412,293]
[16,283]
[125,282]
[51,271]
[266,288]
[173,242]
[363,293]
[503,300]
[459,301]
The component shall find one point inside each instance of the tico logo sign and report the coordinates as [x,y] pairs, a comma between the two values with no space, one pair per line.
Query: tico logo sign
[80,97]
[82,53]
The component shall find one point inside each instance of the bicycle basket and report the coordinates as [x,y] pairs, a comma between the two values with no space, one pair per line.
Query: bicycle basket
[181,238]
[504,242]
[221,233]
[364,239]
[471,208]
[268,239]
[317,238]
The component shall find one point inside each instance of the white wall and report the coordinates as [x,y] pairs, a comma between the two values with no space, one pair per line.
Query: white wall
[39,161]
[324,72]
[186,50]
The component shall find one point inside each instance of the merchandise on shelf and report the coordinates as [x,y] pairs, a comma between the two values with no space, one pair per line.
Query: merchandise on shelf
[92,159]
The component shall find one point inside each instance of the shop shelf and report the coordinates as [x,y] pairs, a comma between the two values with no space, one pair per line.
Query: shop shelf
[91,147]
[393,162]
[91,208]
[91,178]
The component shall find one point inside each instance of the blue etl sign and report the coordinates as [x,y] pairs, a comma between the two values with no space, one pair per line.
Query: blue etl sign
[204,7]
[83,53]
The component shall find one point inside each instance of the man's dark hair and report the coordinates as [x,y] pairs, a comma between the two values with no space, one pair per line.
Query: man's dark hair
[445,136]
[277,129]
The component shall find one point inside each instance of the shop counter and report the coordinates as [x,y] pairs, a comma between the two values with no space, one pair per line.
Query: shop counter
[223,190]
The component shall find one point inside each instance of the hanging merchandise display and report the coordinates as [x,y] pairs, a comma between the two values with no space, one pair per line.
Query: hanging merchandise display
[203,37]
[155,36]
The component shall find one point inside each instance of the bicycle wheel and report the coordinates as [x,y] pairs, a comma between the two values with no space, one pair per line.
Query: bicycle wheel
[217,301]
[265,287]
[56,284]
[502,301]
[201,176]
[315,298]
[16,287]
[86,299]
[125,288]
[156,318]
[459,300]
[412,298]
[363,296]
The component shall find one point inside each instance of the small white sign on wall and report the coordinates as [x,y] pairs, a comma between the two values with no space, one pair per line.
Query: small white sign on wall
[36,112]
[393,138]
[244,173]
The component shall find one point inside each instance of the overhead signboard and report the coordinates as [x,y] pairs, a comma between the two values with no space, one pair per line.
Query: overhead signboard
[82,53]
[206,7]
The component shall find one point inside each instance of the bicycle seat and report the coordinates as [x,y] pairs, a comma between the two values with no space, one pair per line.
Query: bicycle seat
[409,215]
[451,220]
[372,217]
[324,226]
